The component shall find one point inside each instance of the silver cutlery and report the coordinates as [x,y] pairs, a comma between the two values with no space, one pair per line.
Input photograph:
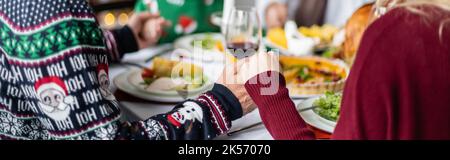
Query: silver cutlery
[134,65]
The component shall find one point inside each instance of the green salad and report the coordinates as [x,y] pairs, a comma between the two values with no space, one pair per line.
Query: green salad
[328,106]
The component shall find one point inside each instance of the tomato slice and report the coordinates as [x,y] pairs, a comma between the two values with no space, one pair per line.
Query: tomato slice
[147,73]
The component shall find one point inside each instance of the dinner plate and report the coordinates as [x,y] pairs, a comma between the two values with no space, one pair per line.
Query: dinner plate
[304,96]
[136,80]
[185,42]
[122,83]
[314,119]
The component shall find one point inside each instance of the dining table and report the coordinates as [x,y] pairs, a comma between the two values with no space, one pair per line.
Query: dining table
[134,109]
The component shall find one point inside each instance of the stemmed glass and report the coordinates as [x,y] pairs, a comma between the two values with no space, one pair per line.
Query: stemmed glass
[243,32]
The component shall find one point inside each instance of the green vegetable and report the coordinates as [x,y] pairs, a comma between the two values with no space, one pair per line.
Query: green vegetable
[303,73]
[329,106]
[148,81]
[329,53]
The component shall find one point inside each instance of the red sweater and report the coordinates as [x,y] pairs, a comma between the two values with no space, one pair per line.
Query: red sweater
[398,87]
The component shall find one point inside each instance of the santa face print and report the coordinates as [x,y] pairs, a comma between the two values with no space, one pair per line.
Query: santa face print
[186,25]
[103,80]
[51,97]
[52,103]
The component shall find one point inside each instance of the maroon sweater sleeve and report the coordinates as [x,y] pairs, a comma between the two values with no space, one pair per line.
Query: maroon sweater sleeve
[276,109]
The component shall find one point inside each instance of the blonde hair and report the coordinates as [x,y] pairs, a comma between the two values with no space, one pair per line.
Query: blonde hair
[383,6]
[389,4]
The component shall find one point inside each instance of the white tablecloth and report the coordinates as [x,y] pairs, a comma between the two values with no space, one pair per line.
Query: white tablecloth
[141,111]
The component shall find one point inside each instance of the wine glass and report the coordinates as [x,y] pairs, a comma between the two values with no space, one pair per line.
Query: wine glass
[243,32]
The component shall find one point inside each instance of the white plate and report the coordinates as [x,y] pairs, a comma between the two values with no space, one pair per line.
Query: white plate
[314,119]
[304,96]
[136,80]
[206,55]
[121,82]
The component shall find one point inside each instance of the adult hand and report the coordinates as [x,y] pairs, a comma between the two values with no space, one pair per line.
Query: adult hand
[276,15]
[235,75]
[228,79]
[147,28]
[261,68]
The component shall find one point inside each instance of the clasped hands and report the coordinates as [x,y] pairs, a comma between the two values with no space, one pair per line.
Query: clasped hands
[148,28]
[235,75]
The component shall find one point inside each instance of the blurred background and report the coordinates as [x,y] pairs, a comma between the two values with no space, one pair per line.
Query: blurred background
[112,13]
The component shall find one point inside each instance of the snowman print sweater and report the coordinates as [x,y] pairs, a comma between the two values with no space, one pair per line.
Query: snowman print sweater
[54,80]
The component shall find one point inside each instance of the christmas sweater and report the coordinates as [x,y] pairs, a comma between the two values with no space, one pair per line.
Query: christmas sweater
[54,80]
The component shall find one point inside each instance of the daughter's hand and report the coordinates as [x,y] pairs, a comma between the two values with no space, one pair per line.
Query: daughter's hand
[256,64]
